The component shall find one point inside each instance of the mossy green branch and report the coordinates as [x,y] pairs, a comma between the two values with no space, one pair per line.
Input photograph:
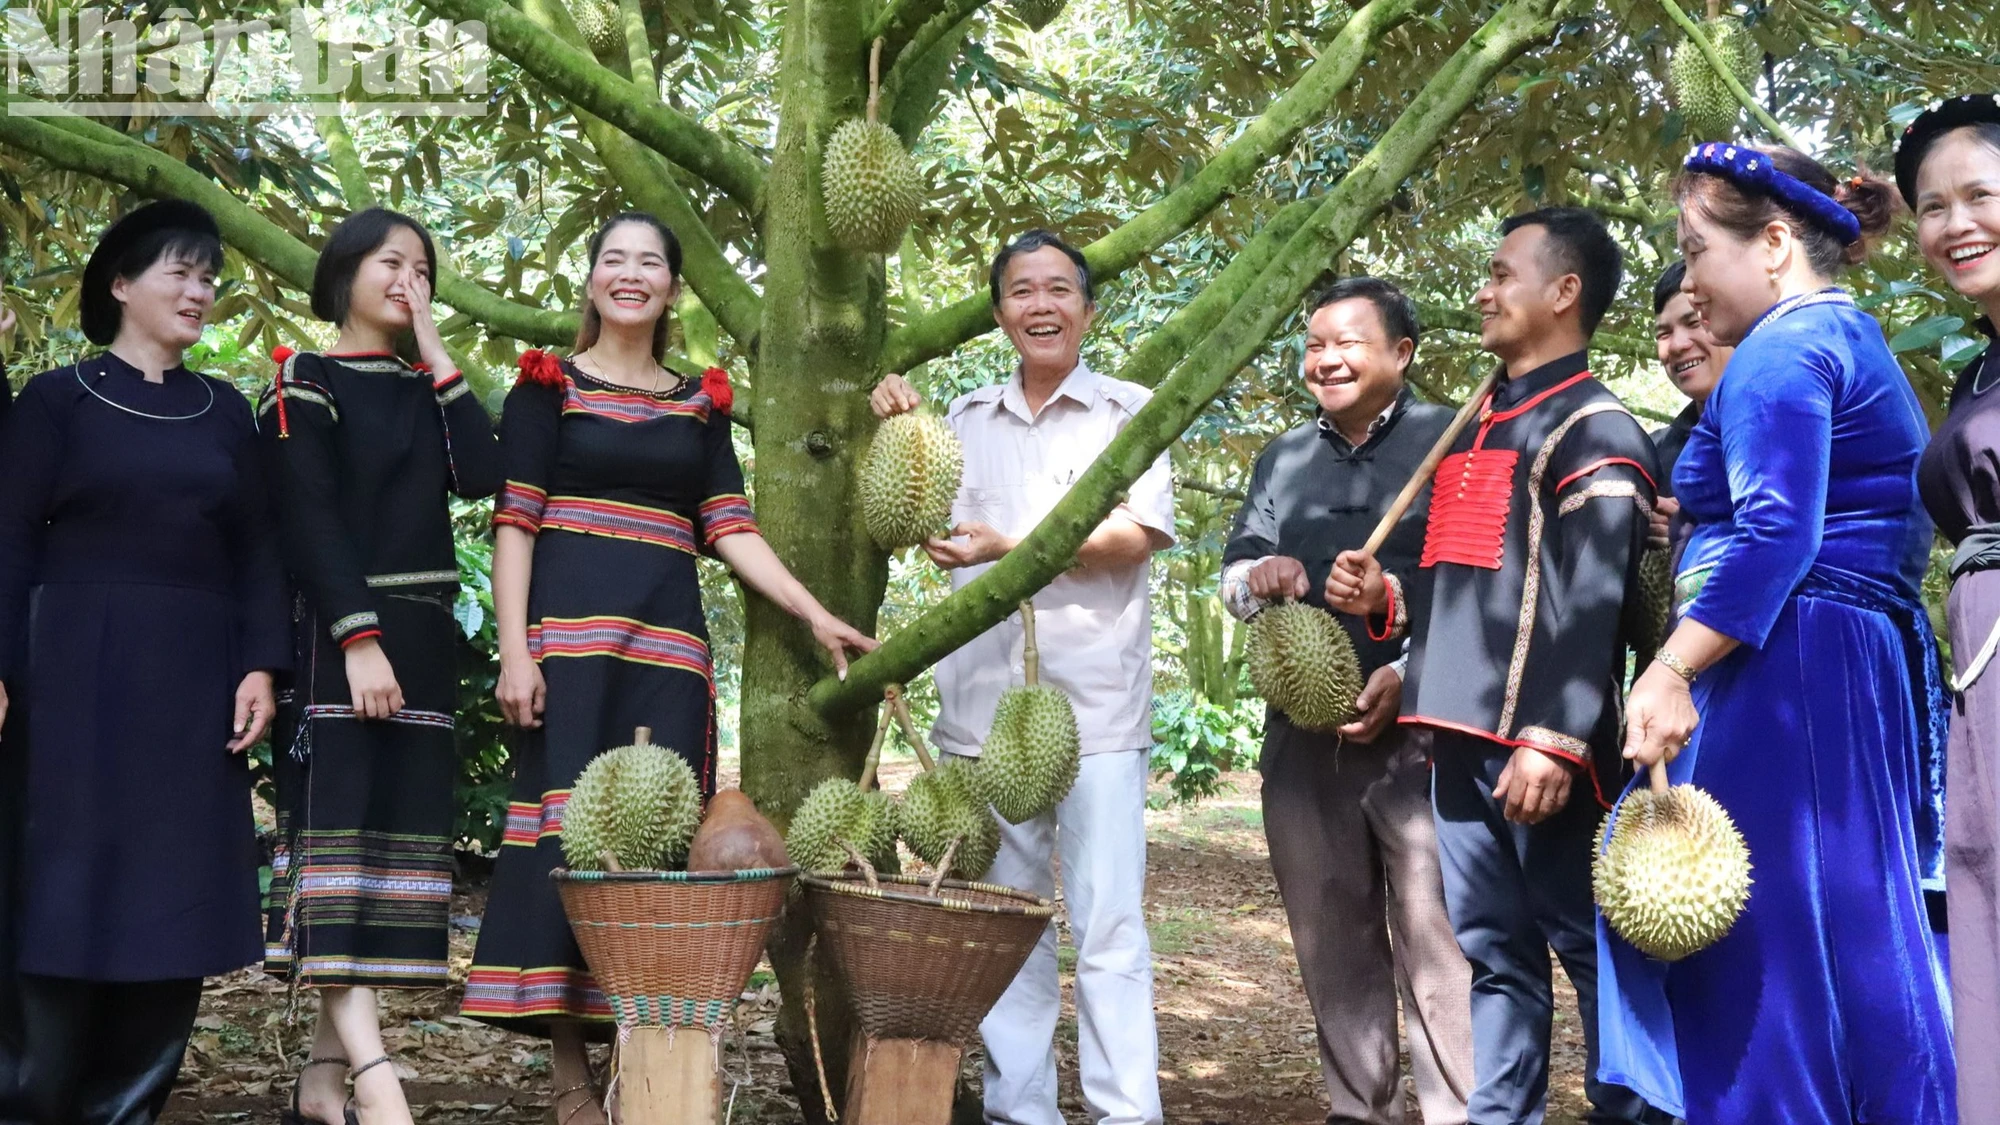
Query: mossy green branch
[1259,307]
[911,29]
[1307,101]
[1714,59]
[572,73]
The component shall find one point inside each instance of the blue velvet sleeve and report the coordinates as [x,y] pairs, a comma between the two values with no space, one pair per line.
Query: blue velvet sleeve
[1774,412]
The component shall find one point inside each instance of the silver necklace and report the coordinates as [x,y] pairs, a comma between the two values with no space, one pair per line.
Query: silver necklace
[94,393]
[1985,363]
[659,387]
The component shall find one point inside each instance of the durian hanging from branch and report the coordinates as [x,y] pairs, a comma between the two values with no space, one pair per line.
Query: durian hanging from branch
[840,818]
[869,183]
[1038,14]
[1031,758]
[1711,73]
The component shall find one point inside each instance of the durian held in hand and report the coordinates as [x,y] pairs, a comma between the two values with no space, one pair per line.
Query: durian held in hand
[1675,873]
[638,808]
[1650,605]
[908,480]
[1031,758]
[1708,109]
[1303,663]
[871,187]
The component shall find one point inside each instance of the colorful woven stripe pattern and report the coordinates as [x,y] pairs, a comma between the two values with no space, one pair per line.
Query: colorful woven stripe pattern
[528,824]
[526,993]
[621,638]
[629,406]
[621,521]
[725,515]
[520,505]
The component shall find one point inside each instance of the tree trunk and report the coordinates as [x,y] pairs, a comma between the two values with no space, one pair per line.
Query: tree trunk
[823,322]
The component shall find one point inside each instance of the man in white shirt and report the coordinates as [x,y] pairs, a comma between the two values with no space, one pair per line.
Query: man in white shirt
[1026,441]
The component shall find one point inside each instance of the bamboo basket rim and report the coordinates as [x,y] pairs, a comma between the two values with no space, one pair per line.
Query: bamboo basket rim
[855,885]
[747,875]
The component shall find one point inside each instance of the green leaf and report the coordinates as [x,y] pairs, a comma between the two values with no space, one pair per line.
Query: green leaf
[1925,332]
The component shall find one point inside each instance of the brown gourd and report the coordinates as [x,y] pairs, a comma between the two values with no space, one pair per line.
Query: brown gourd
[734,836]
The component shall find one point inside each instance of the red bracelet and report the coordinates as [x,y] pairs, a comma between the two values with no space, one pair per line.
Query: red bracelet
[1388,613]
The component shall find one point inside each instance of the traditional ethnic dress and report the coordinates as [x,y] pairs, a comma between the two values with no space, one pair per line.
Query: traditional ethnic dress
[1960,481]
[367,453]
[139,583]
[621,490]
[1537,520]
[1821,736]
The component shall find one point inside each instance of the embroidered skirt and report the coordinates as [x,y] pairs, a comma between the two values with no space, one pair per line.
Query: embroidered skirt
[616,626]
[361,881]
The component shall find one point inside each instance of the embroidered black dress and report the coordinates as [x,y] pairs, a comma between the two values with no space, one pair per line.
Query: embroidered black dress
[621,490]
[139,583]
[366,454]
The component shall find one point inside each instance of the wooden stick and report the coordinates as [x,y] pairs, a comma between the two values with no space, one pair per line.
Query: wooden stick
[874,760]
[901,706]
[1425,471]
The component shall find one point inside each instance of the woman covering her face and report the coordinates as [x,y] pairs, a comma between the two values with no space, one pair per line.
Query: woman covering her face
[620,473]
[367,451]
[1805,655]
[1948,166]
[142,614]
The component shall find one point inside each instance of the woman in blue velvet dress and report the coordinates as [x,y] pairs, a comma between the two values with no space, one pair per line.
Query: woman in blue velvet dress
[1806,659]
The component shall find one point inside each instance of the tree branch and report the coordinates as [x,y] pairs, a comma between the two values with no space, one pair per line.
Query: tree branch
[912,27]
[1306,102]
[577,76]
[1700,40]
[1258,308]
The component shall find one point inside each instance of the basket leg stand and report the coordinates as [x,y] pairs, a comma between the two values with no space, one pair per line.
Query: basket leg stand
[668,1076]
[900,1081]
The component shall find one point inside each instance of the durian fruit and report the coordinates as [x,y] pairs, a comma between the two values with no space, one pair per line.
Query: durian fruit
[635,808]
[1031,758]
[839,813]
[1038,14]
[941,808]
[1302,663]
[1650,606]
[598,21]
[870,185]
[1706,104]
[1675,874]
[909,478]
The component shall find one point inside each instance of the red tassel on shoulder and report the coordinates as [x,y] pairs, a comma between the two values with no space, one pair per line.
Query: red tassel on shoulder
[715,384]
[538,366]
[279,355]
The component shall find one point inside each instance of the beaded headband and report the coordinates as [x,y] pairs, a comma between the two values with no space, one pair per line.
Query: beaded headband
[1753,170]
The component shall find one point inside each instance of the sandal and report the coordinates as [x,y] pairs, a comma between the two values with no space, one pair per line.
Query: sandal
[354,1115]
[557,1117]
[292,1116]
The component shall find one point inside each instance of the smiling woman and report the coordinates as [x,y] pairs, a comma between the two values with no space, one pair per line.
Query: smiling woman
[141,617]
[1948,167]
[367,449]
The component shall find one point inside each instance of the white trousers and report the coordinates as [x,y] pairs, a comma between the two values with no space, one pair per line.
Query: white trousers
[1102,829]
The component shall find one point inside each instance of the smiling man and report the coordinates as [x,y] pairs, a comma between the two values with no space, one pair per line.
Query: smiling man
[1693,361]
[1347,813]
[1026,441]
[1537,520]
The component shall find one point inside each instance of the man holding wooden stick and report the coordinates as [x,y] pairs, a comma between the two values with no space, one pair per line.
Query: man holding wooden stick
[1026,441]
[1538,515]
[1347,812]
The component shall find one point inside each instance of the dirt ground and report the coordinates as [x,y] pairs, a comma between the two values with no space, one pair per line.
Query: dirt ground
[1236,1037]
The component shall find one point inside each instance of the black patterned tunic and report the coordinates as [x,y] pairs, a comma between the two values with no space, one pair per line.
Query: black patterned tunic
[621,490]
[366,453]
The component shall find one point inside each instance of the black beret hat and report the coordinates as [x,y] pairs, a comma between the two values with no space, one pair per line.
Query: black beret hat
[100,310]
[1935,122]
